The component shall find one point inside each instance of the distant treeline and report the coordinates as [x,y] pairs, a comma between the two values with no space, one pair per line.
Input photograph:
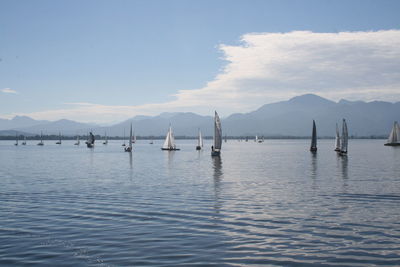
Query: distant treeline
[250,138]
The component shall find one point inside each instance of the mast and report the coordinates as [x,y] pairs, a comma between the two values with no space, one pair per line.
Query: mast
[130,138]
[16,138]
[314,138]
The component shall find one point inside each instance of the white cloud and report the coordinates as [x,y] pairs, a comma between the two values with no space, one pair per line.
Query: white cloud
[9,91]
[269,67]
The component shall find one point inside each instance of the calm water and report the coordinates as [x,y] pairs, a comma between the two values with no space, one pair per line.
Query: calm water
[259,204]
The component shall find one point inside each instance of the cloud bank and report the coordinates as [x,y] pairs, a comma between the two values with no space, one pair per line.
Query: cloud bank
[269,67]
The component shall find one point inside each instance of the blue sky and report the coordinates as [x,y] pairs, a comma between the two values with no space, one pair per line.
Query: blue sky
[105,61]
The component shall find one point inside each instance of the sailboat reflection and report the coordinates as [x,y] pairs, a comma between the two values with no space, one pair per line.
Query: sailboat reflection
[217,175]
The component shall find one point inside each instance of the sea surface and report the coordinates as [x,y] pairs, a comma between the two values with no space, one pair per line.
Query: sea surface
[259,204]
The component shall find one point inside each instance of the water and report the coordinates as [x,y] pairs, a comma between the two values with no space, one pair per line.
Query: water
[259,204]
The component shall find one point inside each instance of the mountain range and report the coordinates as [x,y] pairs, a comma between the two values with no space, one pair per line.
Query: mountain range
[287,118]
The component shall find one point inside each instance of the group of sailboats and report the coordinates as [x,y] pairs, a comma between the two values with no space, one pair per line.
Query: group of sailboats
[341,142]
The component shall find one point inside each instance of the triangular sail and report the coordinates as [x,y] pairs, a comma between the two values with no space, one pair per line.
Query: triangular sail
[130,138]
[337,140]
[394,134]
[345,137]
[217,132]
[314,137]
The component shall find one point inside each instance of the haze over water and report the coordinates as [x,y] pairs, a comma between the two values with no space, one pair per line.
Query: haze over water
[273,203]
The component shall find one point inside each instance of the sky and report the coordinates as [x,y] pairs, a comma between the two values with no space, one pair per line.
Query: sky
[107,61]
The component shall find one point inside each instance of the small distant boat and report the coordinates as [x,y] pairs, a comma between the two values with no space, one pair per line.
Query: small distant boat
[129,148]
[105,139]
[260,140]
[77,141]
[151,142]
[41,140]
[134,138]
[394,137]
[169,143]
[59,139]
[216,148]
[225,139]
[345,139]
[199,141]
[90,141]
[313,147]
[124,139]
[16,139]
[24,142]
[337,139]
[256,139]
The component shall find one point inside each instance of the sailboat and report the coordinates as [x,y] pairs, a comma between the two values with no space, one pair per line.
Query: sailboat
[260,140]
[313,147]
[59,139]
[77,141]
[90,141]
[216,148]
[256,139]
[337,139]
[41,140]
[129,148]
[345,138]
[24,142]
[169,143]
[124,139]
[394,137]
[16,139]
[105,139]
[199,141]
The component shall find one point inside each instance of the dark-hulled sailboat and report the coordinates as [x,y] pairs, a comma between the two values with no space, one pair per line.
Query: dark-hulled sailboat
[216,148]
[313,147]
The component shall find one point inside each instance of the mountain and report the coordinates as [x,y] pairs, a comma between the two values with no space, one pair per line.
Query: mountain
[19,122]
[286,118]
[294,117]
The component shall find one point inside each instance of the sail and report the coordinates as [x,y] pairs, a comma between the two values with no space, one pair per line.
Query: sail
[130,138]
[394,134]
[200,140]
[217,132]
[345,137]
[41,137]
[167,141]
[171,138]
[314,137]
[337,140]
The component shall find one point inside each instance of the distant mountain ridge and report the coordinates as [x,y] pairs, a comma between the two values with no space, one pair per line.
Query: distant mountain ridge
[286,118]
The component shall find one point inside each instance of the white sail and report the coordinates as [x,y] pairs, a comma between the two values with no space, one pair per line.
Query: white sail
[130,138]
[345,137]
[256,139]
[394,134]
[217,132]
[200,140]
[337,140]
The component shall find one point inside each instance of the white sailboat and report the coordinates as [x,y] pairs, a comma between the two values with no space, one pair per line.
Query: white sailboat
[24,142]
[337,139]
[129,148]
[313,147]
[216,148]
[169,143]
[345,138]
[105,139]
[256,139]
[59,139]
[394,137]
[199,141]
[41,140]
[134,138]
[77,141]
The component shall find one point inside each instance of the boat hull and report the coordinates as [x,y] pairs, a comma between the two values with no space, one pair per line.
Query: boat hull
[170,149]
[215,153]
[128,149]
[198,147]
[313,149]
[392,144]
